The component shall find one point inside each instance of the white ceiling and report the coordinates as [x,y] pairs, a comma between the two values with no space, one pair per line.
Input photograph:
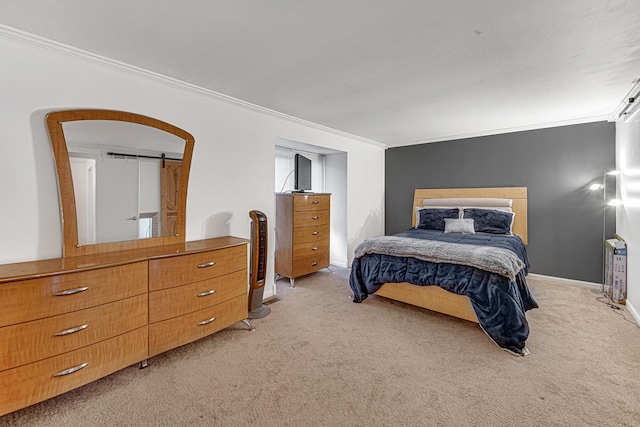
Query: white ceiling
[399,72]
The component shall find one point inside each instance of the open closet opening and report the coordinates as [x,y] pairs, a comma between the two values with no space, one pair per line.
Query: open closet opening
[329,175]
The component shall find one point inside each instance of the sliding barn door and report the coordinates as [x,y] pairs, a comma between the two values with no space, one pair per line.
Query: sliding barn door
[170,182]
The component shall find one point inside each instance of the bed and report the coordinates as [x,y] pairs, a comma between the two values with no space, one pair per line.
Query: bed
[479,270]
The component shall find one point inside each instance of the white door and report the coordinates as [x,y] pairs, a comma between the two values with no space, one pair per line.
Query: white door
[117,200]
[83,171]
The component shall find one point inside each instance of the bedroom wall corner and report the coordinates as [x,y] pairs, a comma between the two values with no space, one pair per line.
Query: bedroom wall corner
[628,215]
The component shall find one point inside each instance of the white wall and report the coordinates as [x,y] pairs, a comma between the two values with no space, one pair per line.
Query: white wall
[336,184]
[233,162]
[628,215]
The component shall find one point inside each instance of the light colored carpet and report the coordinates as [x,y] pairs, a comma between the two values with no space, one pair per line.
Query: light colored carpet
[321,360]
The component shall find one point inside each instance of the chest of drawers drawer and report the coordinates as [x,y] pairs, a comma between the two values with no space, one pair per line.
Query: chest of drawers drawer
[27,300]
[311,249]
[175,271]
[310,234]
[41,380]
[308,265]
[190,327]
[176,301]
[311,202]
[36,340]
[311,218]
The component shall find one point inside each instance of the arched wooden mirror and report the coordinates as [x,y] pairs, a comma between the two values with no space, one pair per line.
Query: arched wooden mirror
[122,180]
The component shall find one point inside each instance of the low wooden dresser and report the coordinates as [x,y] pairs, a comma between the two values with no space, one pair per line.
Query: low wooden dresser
[302,233]
[66,322]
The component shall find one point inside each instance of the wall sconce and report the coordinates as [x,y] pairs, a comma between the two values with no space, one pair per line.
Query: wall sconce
[603,186]
[612,202]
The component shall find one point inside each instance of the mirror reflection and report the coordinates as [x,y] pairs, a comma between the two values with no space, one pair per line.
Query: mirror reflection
[126,178]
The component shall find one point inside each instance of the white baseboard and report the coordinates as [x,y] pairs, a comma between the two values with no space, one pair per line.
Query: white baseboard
[590,285]
[269,293]
[631,309]
[339,264]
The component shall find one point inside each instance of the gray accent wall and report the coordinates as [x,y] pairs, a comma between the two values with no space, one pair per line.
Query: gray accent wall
[557,165]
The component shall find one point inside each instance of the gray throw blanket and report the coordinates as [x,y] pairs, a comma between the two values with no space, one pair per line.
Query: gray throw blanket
[495,260]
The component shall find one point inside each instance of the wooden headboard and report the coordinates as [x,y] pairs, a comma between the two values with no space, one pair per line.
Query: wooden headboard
[518,195]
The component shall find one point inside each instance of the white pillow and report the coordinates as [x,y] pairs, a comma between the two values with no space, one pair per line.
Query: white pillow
[459,225]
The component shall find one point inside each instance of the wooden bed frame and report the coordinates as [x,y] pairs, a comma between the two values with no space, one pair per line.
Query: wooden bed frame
[433,297]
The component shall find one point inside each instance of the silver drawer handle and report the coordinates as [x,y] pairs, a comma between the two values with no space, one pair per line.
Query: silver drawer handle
[315,248]
[315,233]
[206,322]
[313,264]
[315,202]
[70,331]
[315,217]
[207,264]
[204,294]
[71,291]
[70,370]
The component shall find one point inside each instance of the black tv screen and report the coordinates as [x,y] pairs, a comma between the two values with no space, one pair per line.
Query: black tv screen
[303,173]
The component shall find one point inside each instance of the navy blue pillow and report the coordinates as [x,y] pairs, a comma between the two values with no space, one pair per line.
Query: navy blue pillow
[433,218]
[490,220]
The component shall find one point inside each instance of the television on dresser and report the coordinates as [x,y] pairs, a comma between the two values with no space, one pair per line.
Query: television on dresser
[302,173]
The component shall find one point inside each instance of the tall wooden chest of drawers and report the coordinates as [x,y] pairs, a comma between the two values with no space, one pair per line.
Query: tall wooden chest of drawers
[66,322]
[302,233]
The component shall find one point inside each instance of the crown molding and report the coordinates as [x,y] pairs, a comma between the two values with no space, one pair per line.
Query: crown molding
[602,118]
[23,37]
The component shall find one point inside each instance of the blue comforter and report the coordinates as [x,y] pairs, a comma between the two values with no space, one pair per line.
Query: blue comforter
[498,302]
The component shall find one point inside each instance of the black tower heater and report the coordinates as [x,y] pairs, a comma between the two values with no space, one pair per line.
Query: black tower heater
[258,265]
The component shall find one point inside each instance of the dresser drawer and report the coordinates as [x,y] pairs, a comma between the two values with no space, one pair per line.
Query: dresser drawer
[27,300]
[175,271]
[36,340]
[311,202]
[311,264]
[176,301]
[32,383]
[310,218]
[310,234]
[312,249]
[181,330]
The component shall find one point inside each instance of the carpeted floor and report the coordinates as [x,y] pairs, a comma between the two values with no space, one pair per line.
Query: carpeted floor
[320,360]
